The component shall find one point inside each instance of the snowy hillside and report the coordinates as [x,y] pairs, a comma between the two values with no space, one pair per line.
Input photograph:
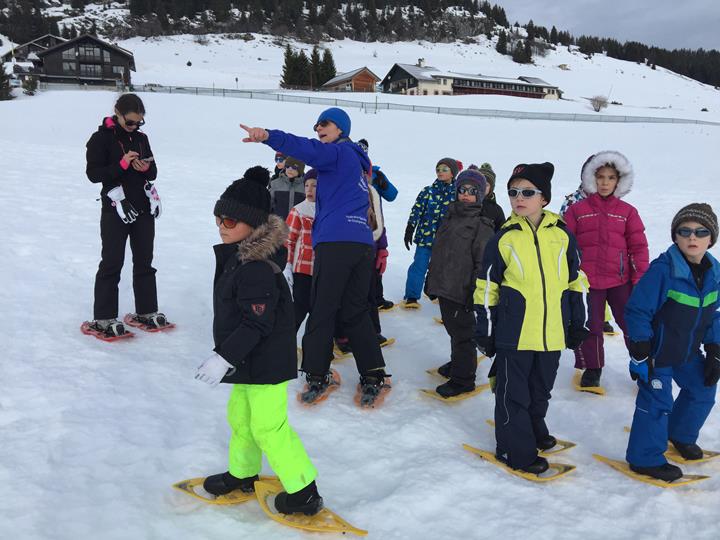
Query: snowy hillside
[257,64]
[94,434]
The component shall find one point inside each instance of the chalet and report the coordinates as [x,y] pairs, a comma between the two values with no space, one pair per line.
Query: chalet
[359,80]
[86,60]
[27,52]
[421,80]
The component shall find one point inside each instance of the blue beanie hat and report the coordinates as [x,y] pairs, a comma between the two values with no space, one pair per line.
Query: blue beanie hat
[338,117]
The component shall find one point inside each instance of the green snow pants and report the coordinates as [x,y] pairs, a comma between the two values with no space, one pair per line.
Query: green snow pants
[257,414]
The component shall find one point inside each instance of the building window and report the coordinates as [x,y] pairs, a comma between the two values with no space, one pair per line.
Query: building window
[106,57]
[118,70]
[69,54]
[424,92]
[90,52]
[90,70]
[69,67]
[436,92]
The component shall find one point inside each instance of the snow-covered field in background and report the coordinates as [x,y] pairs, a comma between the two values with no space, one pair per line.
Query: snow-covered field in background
[257,64]
[93,434]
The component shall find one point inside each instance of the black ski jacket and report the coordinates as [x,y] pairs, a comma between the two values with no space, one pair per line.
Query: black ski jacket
[105,150]
[254,319]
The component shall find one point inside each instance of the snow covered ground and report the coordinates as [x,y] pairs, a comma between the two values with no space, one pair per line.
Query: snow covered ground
[257,64]
[94,434]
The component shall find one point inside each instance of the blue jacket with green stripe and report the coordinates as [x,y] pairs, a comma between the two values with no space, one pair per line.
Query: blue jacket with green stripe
[667,308]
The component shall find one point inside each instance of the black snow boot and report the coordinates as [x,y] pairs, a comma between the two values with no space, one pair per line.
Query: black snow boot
[152,320]
[224,483]
[109,327]
[370,387]
[608,328]
[665,472]
[382,340]
[454,388]
[306,501]
[444,370]
[688,451]
[590,377]
[385,305]
[546,443]
[317,385]
[539,466]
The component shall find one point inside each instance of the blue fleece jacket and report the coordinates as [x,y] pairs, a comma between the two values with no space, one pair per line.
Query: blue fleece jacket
[667,308]
[342,197]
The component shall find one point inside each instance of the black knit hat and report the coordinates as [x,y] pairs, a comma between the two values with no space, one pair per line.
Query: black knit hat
[539,174]
[701,213]
[450,162]
[247,199]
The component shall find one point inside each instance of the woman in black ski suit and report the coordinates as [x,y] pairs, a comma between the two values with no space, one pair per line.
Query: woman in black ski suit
[119,156]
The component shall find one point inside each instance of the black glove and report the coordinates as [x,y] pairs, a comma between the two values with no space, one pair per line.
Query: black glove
[712,364]
[486,344]
[640,350]
[409,231]
[576,336]
[381,180]
[492,377]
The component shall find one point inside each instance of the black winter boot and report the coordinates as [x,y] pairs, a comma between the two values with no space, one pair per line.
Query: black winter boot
[385,305]
[224,483]
[343,345]
[317,385]
[306,501]
[590,377]
[444,370]
[688,451]
[546,443]
[665,472]
[608,328]
[370,387]
[152,320]
[454,388]
[539,466]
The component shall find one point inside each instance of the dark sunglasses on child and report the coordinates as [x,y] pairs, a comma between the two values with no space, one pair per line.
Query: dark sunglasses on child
[526,193]
[322,123]
[133,123]
[228,223]
[442,168]
[468,190]
[700,232]
[293,167]
[279,159]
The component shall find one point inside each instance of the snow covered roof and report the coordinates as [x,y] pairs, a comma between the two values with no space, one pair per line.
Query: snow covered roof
[349,75]
[536,81]
[86,36]
[421,73]
[430,74]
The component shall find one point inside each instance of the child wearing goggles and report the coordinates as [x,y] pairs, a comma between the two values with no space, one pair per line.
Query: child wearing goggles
[673,309]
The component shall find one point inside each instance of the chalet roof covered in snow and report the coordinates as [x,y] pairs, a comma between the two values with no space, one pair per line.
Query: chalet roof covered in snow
[348,76]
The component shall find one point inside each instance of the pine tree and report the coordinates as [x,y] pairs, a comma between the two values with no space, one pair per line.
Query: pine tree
[553,35]
[288,73]
[5,90]
[315,68]
[303,69]
[328,67]
[528,52]
[501,46]
[519,54]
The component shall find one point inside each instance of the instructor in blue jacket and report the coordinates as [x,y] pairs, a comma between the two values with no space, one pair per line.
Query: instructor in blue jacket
[344,252]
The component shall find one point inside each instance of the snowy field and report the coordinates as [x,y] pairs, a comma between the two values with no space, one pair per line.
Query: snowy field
[94,434]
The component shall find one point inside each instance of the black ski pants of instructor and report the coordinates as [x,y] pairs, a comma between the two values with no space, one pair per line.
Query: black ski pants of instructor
[522,394]
[341,283]
[114,234]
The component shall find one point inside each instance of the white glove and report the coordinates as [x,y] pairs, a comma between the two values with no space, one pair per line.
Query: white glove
[124,208]
[288,273]
[212,370]
[155,204]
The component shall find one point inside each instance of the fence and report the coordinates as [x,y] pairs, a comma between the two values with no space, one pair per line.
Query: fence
[375,106]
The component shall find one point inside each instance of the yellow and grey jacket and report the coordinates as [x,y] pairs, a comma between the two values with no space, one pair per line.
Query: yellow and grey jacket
[531,289]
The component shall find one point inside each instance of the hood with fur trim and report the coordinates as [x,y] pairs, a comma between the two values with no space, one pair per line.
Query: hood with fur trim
[264,241]
[608,157]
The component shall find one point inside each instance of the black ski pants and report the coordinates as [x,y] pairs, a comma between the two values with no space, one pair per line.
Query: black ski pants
[341,283]
[114,234]
[524,382]
[302,286]
[459,323]
[379,290]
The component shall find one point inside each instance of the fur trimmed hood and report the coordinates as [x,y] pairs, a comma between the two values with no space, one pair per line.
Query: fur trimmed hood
[608,157]
[264,240]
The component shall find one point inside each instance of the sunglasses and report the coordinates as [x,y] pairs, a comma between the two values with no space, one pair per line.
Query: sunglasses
[279,159]
[293,167]
[468,190]
[322,123]
[442,168]
[526,193]
[700,232]
[133,123]
[228,223]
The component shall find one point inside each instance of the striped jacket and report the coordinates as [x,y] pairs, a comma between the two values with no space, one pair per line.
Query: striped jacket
[299,243]
[531,290]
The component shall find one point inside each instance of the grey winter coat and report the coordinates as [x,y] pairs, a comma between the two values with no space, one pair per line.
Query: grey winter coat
[286,193]
[457,253]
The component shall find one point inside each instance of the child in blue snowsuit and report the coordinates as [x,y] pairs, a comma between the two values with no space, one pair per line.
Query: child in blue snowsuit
[672,310]
[428,211]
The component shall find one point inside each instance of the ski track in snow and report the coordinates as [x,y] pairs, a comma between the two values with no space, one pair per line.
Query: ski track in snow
[94,434]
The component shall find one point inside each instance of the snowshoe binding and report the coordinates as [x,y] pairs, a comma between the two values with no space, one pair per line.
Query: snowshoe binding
[319,387]
[224,483]
[307,501]
[106,329]
[150,322]
[372,390]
